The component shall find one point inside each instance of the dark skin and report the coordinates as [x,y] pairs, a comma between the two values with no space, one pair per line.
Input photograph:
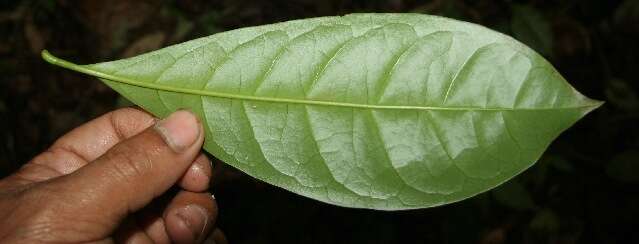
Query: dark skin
[109,181]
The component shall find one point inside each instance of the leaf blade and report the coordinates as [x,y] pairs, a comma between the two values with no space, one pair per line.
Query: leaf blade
[328,107]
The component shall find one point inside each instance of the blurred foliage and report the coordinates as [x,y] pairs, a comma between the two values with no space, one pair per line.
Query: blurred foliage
[530,27]
[583,190]
[514,195]
[624,167]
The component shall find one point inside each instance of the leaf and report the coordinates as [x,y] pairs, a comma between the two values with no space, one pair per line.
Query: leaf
[122,102]
[627,11]
[561,164]
[545,221]
[532,28]
[621,94]
[381,111]
[514,195]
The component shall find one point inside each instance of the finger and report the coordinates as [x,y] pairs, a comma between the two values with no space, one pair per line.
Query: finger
[131,233]
[89,141]
[132,173]
[197,178]
[190,217]
[217,237]
[156,230]
[150,218]
[82,145]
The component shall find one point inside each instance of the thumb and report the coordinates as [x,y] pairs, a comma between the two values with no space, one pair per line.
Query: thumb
[132,173]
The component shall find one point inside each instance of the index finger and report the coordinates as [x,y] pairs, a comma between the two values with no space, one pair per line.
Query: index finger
[91,140]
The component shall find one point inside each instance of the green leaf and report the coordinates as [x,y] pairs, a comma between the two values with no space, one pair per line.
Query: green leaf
[122,102]
[532,28]
[381,111]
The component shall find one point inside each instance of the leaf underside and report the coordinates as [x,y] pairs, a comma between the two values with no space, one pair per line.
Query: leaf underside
[381,111]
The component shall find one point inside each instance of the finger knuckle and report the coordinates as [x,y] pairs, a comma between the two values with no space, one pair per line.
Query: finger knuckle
[126,121]
[34,172]
[128,163]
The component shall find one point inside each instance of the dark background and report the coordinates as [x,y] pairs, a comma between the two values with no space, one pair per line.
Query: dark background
[583,190]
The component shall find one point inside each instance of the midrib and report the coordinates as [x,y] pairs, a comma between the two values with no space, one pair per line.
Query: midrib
[83,69]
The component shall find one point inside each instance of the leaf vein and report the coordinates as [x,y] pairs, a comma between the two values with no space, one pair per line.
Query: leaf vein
[389,73]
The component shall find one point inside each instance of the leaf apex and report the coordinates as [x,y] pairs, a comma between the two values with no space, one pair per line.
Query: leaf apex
[595,104]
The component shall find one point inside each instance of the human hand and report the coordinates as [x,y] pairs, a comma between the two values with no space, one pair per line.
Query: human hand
[106,180]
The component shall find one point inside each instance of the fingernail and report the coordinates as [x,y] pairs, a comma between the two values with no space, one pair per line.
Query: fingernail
[194,218]
[180,130]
